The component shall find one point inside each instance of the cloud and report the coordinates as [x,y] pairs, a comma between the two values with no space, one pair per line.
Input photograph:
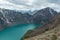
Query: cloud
[29,4]
[54,1]
[9,5]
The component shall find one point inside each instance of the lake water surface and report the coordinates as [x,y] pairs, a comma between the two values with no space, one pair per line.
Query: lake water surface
[16,32]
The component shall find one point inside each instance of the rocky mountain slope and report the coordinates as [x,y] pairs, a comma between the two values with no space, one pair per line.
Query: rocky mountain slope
[53,34]
[49,31]
[11,17]
[44,15]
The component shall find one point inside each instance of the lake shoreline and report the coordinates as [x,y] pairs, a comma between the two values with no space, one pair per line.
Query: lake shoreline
[16,32]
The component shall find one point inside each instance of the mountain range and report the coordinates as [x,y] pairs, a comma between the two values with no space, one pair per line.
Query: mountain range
[11,17]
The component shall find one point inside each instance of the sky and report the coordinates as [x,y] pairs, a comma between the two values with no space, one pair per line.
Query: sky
[30,4]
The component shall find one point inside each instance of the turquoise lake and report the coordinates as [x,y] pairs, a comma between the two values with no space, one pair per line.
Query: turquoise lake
[16,32]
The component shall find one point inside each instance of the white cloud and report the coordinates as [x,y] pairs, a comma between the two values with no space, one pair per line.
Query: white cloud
[29,4]
[52,5]
[8,5]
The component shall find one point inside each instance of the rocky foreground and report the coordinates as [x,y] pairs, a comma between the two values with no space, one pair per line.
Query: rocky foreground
[53,34]
[49,31]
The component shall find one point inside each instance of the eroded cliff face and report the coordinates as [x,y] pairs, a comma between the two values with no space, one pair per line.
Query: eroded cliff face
[49,31]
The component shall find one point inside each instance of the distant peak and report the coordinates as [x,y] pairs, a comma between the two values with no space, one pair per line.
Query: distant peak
[48,8]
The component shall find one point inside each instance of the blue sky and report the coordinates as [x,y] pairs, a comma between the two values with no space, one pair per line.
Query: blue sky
[30,4]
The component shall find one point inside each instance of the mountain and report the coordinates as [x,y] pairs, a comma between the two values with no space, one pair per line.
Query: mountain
[31,12]
[12,17]
[28,17]
[44,15]
[49,31]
